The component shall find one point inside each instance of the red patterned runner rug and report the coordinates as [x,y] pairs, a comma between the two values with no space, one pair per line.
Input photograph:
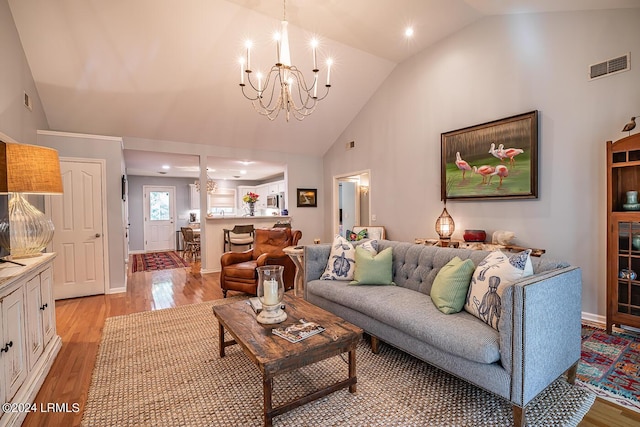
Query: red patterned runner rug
[610,366]
[154,261]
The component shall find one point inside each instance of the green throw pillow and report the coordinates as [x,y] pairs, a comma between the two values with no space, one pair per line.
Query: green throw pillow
[450,287]
[373,269]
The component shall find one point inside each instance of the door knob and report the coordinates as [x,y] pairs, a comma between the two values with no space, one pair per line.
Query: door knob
[97,234]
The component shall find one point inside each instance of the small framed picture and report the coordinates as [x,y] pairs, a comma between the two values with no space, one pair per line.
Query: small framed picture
[307,197]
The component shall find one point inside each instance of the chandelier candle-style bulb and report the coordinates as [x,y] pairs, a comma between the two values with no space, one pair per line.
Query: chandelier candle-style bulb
[314,47]
[242,71]
[248,45]
[329,63]
[276,37]
[285,54]
[315,85]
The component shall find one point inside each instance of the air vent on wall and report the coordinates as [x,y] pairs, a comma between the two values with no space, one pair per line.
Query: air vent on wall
[27,101]
[350,145]
[609,67]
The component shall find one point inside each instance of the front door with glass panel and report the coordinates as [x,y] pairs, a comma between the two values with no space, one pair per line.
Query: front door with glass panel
[159,214]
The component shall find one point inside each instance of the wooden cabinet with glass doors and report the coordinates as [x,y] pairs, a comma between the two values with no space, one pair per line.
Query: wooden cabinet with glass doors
[623,232]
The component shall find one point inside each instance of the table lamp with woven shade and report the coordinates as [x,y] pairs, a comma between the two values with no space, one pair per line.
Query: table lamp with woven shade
[27,169]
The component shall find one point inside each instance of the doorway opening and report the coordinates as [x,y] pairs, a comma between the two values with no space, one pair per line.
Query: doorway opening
[351,201]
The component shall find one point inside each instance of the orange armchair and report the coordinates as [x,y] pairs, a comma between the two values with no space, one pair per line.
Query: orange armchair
[239,268]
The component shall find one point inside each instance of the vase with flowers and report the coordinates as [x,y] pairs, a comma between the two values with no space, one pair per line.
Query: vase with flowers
[251,199]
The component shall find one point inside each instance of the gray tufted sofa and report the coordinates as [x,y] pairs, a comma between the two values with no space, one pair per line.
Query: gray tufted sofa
[539,333]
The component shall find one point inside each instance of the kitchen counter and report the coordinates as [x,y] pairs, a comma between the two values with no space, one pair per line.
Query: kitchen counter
[214,229]
[248,218]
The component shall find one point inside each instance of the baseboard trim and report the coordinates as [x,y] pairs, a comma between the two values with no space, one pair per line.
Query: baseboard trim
[209,271]
[117,290]
[595,318]
[136,252]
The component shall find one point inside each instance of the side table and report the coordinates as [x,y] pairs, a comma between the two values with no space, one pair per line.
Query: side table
[479,246]
[296,253]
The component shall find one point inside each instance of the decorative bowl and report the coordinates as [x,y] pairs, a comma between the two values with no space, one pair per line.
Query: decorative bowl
[474,235]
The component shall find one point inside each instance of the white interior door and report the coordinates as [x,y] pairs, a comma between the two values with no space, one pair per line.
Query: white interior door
[79,268]
[159,212]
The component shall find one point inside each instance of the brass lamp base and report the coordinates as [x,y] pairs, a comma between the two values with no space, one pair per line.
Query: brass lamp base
[271,314]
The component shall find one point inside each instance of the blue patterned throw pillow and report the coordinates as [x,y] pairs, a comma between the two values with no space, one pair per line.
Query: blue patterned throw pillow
[484,298]
[341,264]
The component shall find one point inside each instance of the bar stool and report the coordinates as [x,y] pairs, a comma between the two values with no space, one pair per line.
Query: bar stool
[240,235]
[191,242]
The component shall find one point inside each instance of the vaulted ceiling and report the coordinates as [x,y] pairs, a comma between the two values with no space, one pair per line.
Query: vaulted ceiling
[168,69]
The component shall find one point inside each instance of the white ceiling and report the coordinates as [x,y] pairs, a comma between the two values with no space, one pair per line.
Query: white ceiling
[168,70]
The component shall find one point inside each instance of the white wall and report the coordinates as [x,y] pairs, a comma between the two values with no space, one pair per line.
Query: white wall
[499,67]
[16,121]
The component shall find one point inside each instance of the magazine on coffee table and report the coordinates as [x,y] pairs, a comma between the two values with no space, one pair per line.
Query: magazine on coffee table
[298,331]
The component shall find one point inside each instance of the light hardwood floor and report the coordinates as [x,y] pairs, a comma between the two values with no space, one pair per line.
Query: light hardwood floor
[80,322]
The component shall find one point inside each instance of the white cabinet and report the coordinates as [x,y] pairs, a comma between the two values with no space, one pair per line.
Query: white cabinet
[28,340]
[35,337]
[48,308]
[194,197]
[262,191]
[14,357]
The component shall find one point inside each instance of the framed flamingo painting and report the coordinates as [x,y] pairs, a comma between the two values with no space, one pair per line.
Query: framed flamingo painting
[495,160]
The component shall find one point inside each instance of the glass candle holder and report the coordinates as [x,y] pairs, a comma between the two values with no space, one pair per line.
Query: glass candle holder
[270,292]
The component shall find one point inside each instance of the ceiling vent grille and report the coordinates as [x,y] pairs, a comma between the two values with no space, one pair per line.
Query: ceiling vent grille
[609,67]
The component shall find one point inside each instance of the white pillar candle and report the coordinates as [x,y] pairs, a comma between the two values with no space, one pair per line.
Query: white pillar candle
[248,45]
[270,292]
[315,85]
[314,46]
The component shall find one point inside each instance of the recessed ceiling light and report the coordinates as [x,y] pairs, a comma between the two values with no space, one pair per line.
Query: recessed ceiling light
[246,162]
[243,172]
[408,32]
[166,167]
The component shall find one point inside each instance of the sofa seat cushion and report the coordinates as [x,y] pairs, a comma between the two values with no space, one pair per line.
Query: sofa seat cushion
[242,270]
[413,313]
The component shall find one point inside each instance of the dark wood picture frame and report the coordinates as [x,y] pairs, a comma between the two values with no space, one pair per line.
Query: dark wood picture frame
[494,160]
[307,197]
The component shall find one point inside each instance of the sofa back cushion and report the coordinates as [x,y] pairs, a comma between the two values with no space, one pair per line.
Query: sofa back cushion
[416,266]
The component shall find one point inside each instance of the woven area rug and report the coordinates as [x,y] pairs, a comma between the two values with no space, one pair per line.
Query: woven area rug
[162,368]
[610,366]
[152,261]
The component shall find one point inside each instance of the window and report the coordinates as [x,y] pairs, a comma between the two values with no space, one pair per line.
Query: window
[159,206]
[222,201]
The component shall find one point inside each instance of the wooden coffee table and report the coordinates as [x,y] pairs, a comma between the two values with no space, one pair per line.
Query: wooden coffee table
[274,355]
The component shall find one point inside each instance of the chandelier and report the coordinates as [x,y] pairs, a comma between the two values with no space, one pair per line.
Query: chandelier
[284,86]
[212,186]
